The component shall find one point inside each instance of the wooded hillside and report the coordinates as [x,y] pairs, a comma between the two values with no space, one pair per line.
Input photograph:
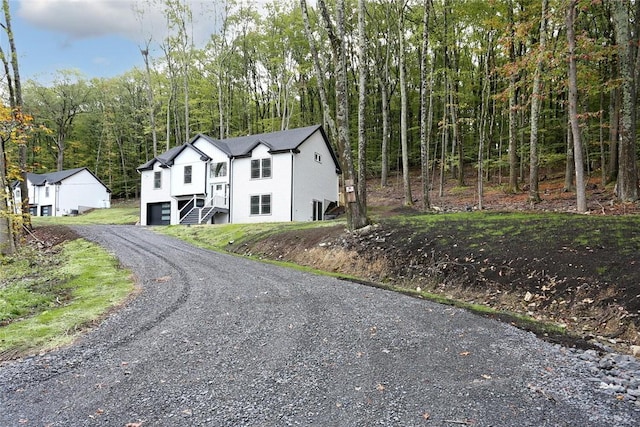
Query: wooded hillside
[431,84]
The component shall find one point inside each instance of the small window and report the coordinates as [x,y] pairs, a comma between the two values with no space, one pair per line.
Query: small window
[317,157]
[157,180]
[261,205]
[219,170]
[260,168]
[266,168]
[187,174]
[46,191]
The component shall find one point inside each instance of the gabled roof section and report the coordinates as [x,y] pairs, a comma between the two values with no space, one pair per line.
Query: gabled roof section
[277,142]
[284,140]
[166,159]
[40,179]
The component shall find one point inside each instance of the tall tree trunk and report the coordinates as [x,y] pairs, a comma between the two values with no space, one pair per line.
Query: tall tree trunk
[573,108]
[150,100]
[383,81]
[569,161]
[443,147]
[356,214]
[627,184]
[7,243]
[324,100]
[384,173]
[362,103]
[534,193]
[404,144]
[425,131]
[484,113]
[457,147]
[15,90]
[614,126]
[513,96]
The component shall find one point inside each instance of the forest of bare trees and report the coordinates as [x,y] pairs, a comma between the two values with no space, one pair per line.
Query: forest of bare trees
[506,87]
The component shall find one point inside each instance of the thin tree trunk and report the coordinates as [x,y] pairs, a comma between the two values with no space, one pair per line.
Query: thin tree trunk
[406,182]
[326,110]
[484,110]
[627,183]
[150,100]
[15,90]
[362,102]
[424,114]
[573,109]
[7,243]
[443,148]
[513,96]
[384,173]
[603,157]
[614,126]
[534,193]
[570,162]
[169,121]
[384,93]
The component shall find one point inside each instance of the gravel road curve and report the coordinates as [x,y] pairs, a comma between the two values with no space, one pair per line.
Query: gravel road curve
[218,340]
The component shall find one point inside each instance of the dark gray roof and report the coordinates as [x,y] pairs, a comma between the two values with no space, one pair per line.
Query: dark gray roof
[57,177]
[166,159]
[285,140]
[51,177]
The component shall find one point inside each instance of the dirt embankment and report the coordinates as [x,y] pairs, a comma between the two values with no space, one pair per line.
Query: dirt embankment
[540,270]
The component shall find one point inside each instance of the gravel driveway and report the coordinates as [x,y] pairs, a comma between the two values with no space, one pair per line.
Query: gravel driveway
[218,340]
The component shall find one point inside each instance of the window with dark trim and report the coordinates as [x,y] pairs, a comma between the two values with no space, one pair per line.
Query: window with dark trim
[261,168]
[261,204]
[157,180]
[187,174]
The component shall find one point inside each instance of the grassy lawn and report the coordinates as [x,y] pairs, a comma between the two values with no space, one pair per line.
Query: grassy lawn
[48,297]
[220,236]
[114,215]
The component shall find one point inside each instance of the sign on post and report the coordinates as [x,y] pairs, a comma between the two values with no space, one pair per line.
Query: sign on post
[350,189]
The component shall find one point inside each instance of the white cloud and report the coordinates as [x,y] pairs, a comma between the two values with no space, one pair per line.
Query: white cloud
[82,19]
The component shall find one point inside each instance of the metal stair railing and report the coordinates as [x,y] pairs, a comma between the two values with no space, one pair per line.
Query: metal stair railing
[211,204]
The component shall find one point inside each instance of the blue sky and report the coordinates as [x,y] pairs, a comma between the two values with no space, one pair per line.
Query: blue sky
[99,38]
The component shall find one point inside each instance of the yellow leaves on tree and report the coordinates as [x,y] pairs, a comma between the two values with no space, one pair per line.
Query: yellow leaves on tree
[15,127]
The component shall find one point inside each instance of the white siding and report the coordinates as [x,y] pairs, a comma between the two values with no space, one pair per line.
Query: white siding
[149,194]
[188,157]
[45,196]
[217,156]
[313,180]
[80,190]
[278,186]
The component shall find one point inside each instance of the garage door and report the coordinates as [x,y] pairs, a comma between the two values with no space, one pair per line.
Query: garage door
[159,213]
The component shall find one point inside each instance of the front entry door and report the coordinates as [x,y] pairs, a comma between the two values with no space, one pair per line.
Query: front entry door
[219,194]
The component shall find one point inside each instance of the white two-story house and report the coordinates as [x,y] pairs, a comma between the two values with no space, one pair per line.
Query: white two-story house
[290,175]
[66,192]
